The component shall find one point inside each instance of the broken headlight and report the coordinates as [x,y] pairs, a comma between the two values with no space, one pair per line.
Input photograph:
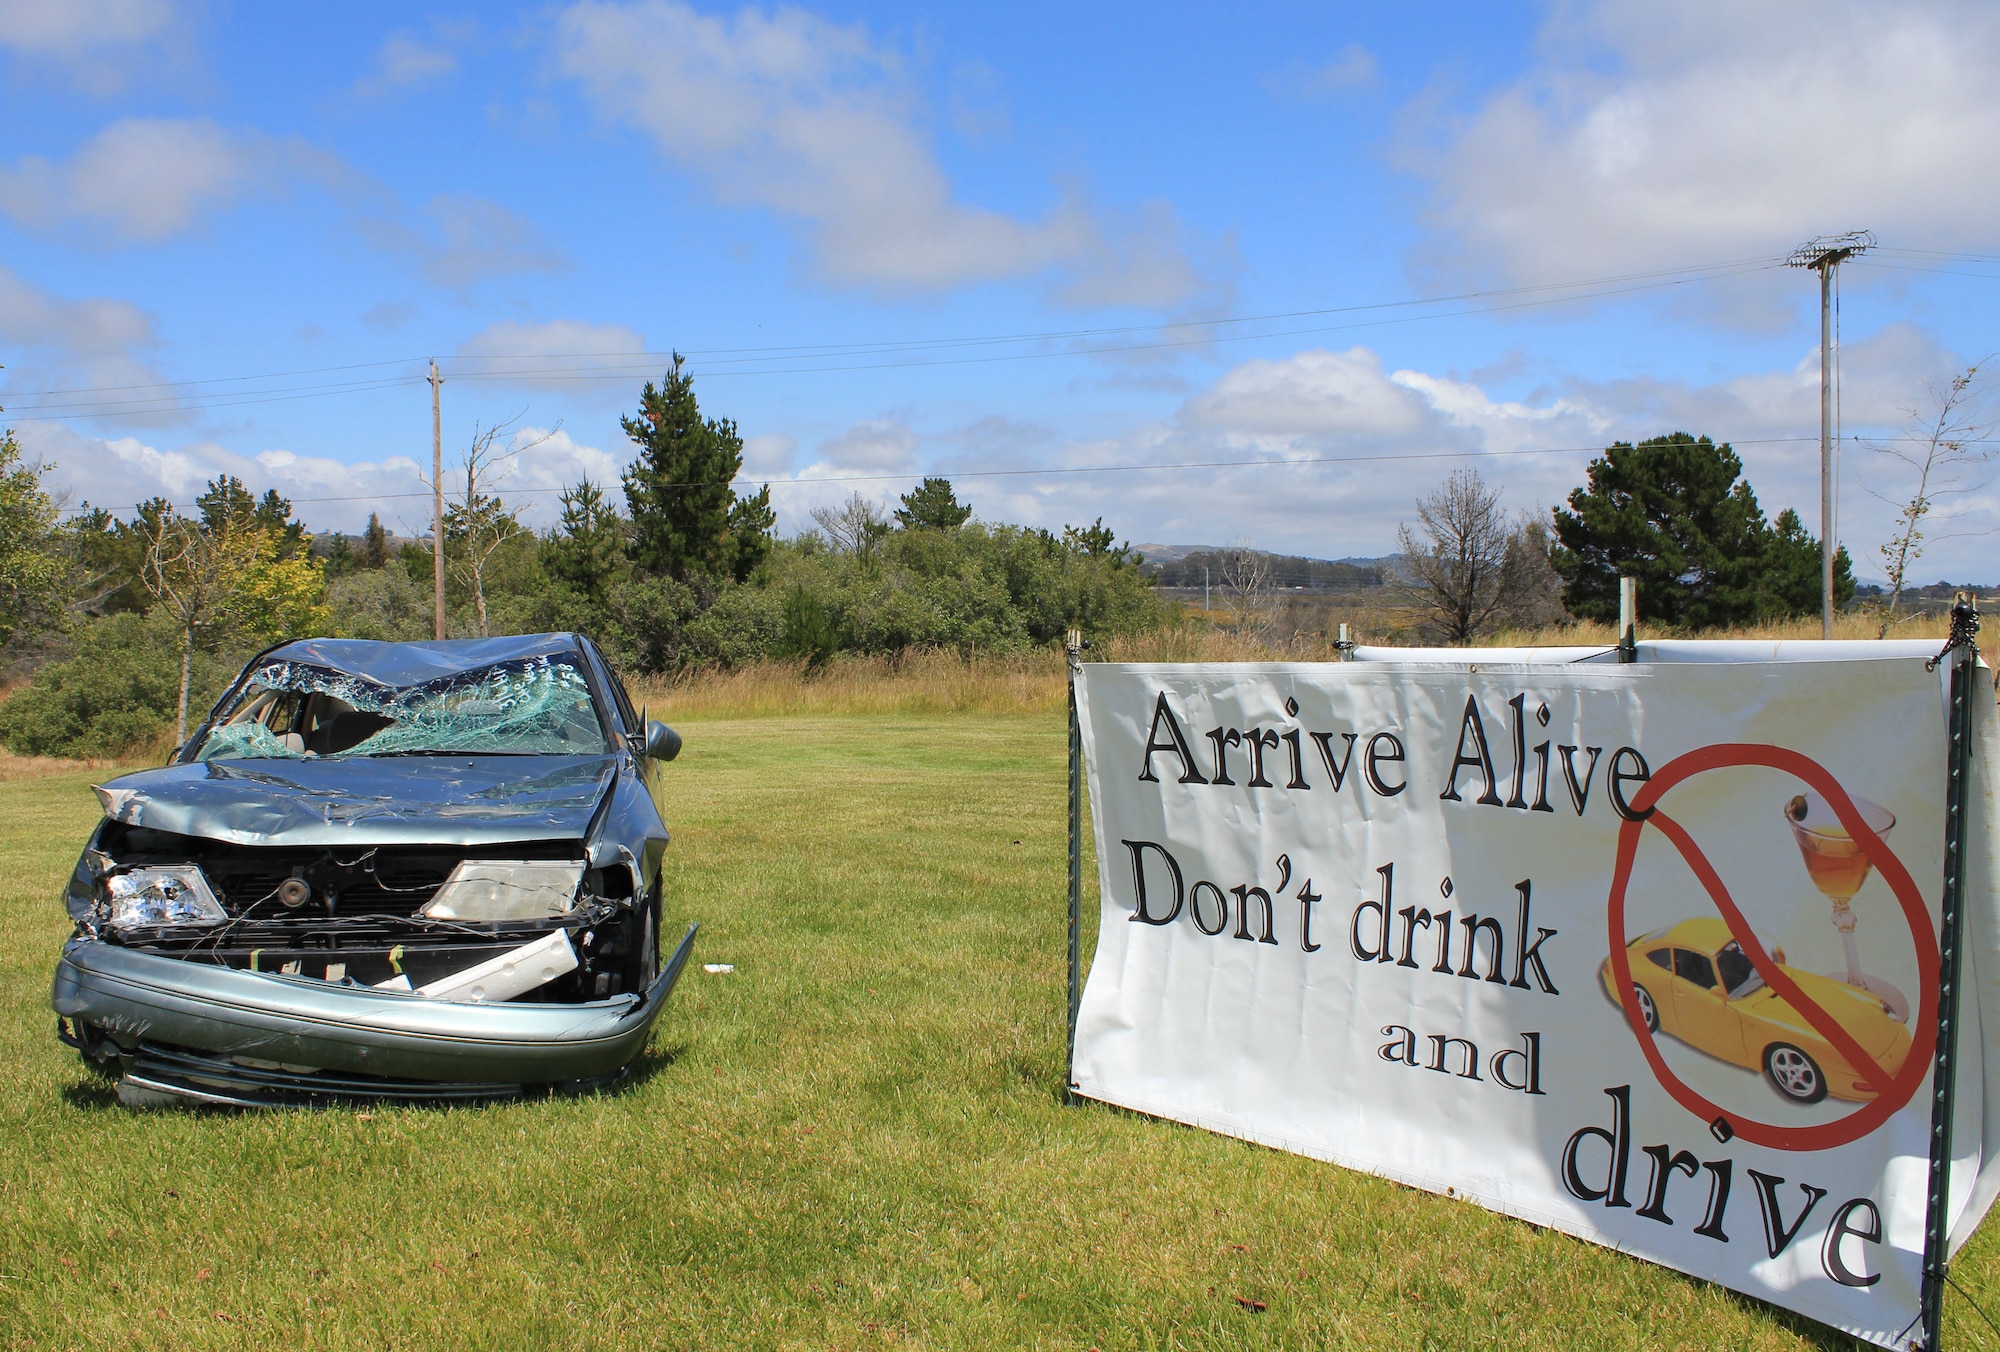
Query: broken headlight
[503,889]
[162,896]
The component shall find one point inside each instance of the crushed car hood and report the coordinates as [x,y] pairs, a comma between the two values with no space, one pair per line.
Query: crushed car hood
[432,800]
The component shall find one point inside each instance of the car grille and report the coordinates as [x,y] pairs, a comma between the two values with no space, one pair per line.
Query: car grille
[389,880]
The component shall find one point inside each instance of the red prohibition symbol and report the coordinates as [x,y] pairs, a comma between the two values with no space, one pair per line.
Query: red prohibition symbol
[1892,1092]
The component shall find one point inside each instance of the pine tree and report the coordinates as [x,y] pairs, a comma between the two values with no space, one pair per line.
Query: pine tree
[678,490]
[931,505]
[1675,513]
[586,550]
[339,558]
[751,521]
[374,544]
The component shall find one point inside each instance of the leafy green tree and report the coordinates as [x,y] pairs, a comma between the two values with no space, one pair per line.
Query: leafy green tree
[109,554]
[1675,513]
[586,549]
[227,500]
[678,491]
[218,581]
[931,505]
[35,569]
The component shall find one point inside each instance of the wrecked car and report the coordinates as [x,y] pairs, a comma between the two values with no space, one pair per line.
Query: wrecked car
[424,871]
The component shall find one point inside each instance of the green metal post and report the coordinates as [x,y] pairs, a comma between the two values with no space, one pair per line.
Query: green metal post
[1937,1217]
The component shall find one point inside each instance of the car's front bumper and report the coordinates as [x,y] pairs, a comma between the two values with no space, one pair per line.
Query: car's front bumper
[351,1041]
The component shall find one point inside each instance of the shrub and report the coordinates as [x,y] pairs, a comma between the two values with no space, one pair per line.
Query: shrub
[116,695]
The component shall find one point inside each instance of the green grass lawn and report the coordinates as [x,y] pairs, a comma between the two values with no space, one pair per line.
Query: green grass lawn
[857,1140]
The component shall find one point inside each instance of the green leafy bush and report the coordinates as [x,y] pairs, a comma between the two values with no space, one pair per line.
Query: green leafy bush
[116,694]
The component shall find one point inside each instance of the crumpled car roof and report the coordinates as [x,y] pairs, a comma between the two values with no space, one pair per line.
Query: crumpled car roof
[407,664]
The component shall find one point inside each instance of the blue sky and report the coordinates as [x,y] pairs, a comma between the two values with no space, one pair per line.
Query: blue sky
[1209,259]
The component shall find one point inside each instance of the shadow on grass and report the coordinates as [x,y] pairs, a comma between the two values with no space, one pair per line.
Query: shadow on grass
[643,1067]
[1809,1332]
[99,1093]
[94,1094]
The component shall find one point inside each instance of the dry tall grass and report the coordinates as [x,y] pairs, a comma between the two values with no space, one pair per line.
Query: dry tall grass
[14,767]
[947,683]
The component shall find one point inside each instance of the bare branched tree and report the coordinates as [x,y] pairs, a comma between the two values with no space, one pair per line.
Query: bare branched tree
[1949,451]
[1460,560]
[1248,581]
[854,527]
[1530,588]
[476,522]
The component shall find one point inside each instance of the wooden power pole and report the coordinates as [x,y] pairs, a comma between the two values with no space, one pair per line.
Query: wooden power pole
[437,496]
[1823,256]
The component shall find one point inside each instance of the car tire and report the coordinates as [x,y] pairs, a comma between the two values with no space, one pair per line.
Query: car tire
[1648,1011]
[1794,1074]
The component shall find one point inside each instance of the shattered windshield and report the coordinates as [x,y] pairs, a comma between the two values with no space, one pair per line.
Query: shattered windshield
[537,705]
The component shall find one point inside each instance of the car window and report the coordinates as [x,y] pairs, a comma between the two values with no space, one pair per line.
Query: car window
[1694,967]
[532,706]
[1739,976]
[1661,958]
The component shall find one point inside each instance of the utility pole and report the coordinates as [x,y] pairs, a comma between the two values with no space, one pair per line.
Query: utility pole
[1824,256]
[437,496]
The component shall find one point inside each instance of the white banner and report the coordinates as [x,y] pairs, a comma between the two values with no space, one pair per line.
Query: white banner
[1647,953]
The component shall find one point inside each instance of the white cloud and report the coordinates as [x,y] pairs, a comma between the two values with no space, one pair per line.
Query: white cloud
[546,461]
[55,345]
[561,354]
[1309,394]
[814,121]
[1348,447]
[326,493]
[406,61]
[1651,134]
[1352,68]
[94,41]
[880,444]
[464,240]
[772,453]
[144,179]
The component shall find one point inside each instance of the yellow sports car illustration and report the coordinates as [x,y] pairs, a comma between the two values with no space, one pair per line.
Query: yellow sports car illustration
[1694,981]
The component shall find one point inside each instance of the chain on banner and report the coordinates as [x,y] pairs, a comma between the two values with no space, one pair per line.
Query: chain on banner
[1663,953]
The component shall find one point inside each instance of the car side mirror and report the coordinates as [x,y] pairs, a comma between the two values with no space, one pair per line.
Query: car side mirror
[662,742]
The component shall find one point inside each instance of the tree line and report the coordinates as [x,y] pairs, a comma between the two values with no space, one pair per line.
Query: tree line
[147,615]
[131,625]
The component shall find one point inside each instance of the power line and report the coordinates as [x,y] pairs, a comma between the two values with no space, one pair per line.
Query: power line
[61,405]
[1053,471]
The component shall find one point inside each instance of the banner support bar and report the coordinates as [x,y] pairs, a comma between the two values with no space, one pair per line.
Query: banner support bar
[1074,645]
[1964,654]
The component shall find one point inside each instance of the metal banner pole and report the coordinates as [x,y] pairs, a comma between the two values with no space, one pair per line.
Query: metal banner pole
[1072,650]
[1937,1219]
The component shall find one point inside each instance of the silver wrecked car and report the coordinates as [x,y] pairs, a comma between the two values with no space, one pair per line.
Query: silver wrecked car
[427,871]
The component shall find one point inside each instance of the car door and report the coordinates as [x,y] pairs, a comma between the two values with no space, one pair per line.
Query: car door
[1702,1016]
[650,771]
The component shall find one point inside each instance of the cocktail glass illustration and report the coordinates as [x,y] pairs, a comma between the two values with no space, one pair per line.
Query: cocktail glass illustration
[1838,867]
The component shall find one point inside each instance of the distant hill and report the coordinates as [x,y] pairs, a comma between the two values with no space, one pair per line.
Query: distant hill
[1194,566]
